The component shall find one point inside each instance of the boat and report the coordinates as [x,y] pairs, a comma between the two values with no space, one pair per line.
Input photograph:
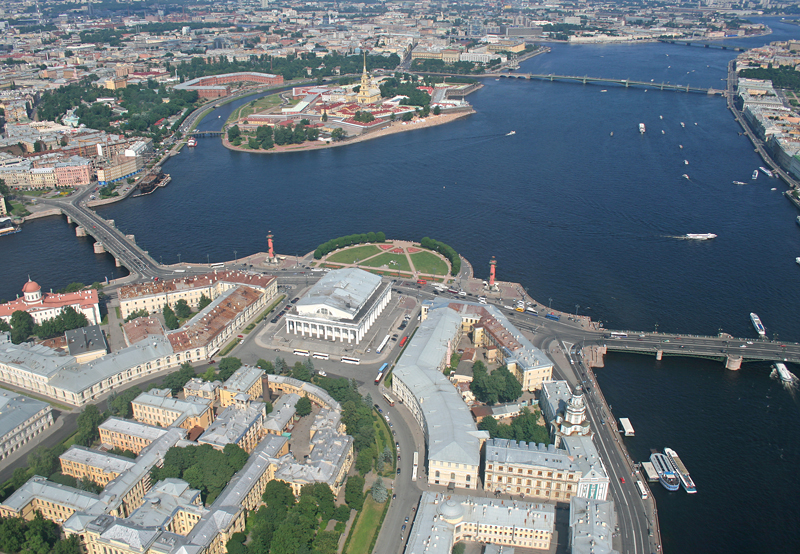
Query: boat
[685,176]
[783,373]
[604,90]
[680,469]
[758,325]
[192,142]
[773,188]
[680,146]
[7,227]
[683,124]
[666,474]
[739,183]
[685,162]
[797,260]
[766,171]
[642,128]
[755,175]
[700,236]
[798,220]
[661,116]
[511,133]
[612,133]
[662,132]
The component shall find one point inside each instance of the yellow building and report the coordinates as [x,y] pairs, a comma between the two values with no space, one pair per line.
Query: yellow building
[94,465]
[246,380]
[369,92]
[157,407]
[128,435]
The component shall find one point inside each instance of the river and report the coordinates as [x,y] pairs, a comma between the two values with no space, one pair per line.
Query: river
[573,213]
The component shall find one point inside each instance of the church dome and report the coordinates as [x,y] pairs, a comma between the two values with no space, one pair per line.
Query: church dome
[451,510]
[31,286]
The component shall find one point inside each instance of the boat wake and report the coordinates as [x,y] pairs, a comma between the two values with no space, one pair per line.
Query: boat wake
[792,385]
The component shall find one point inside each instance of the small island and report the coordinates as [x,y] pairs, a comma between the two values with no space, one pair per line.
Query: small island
[320,116]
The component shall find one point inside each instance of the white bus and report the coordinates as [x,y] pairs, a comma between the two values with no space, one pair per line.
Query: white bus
[642,489]
[298,352]
[217,266]
[320,356]
[415,467]
[383,344]
[616,335]
[349,360]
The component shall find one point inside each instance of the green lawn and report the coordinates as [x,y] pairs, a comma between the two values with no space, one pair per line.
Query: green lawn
[380,444]
[350,255]
[401,262]
[367,526]
[263,103]
[427,262]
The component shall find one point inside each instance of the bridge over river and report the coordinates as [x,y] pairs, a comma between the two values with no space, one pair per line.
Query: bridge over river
[602,80]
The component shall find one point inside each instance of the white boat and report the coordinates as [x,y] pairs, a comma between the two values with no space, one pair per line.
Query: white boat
[7,227]
[662,132]
[612,133]
[797,260]
[683,124]
[661,116]
[766,171]
[798,220]
[680,146]
[784,374]
[681,470]
[755,175]
[700,236]
[758,325]
[685,176]
[642,128]
[604,90]
[192,142]
[739,183]
[666,475]
[511,133]
[685,162]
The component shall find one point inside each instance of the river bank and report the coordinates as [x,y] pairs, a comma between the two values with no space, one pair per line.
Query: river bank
[392,128]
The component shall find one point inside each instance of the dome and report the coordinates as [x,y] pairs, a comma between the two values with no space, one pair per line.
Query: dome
[451,510]
[31,286]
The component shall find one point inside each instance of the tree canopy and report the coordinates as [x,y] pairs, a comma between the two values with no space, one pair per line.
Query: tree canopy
[524,427]
[349,240]
[499,386]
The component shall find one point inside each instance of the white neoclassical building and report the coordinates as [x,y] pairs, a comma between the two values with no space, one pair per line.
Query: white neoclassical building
[342,306]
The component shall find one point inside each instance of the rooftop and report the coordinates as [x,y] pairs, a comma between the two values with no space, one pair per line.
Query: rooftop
[86,339]
[340,294]
[16,409]
[152,288]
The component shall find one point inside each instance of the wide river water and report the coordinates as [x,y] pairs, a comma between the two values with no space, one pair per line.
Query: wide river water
[576,215]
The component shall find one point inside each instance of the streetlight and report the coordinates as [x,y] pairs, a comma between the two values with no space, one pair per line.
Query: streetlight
[208,260]
[179,258]
[576,311]
[162,259]
[656,331]
[234,256]
[550,305]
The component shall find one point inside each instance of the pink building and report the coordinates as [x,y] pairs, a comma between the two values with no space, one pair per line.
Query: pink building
[74,172]
[47,306]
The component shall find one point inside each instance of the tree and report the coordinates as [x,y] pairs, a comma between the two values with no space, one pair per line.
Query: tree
[136,314]
[21,326]
[4,188]
[303,407]
[266,365]
[354,492]
[204,301]
[278,493]
[437,110]
[170,319]
[209,375]
[300,371]
[364,461]
[459,548]
[19,477]
[342,513]
[379,492]
[234,133]
[120,404]
[88,422]
[43,461]
[64,140]
[338,134]
[228,366]
[182,309]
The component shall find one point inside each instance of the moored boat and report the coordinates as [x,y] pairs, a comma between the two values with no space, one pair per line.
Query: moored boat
[766,171]
[192,142]
[755,175]
[7,227]
[680,469]
[666,475]
[758,325]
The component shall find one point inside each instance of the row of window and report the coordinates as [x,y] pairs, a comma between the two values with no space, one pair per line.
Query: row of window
[539,473]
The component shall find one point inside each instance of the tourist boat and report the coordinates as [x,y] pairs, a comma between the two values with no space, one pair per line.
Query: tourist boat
[642,128]
[7,227]
[766,171]
[758,325]
[783,373]
[700,236]
[666,475]
[511,133]
[739,183]
[192,142]
[755,175]
[680,469]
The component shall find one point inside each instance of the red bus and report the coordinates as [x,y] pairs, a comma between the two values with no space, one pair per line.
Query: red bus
[403,342]
[422,282]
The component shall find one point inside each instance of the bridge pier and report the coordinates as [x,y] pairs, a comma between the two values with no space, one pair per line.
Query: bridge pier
[117,262]
[131,238]
[80,231]
[659,355]
[98,248]
[69,220]
[733,362]
[111,222]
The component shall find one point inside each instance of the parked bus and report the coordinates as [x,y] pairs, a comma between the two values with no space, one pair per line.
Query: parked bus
[554,317]
[349,360]
[380,372]
[217,266]
[298,352]
[320,356]
[616,335]
[382,345]
[415,467]
[388,398]
[642,490]
[403,341]
[422,282]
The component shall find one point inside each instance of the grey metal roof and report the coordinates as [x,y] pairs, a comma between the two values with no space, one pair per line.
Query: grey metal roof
[162,398]
[343,290]
[554,397]
[591,525]
[16,410]
[233,423]
[37,359]
[96,458]
[133,428]
[282,413]
[243,378]
[86,339]
[452,433]
[162,503]
[513,452]
[40,487]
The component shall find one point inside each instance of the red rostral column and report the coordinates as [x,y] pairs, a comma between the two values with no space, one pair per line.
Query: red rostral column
[269,241]
[492,267]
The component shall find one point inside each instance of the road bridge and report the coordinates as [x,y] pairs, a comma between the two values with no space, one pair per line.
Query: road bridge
[602,80]
[205,133]
[701,44]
